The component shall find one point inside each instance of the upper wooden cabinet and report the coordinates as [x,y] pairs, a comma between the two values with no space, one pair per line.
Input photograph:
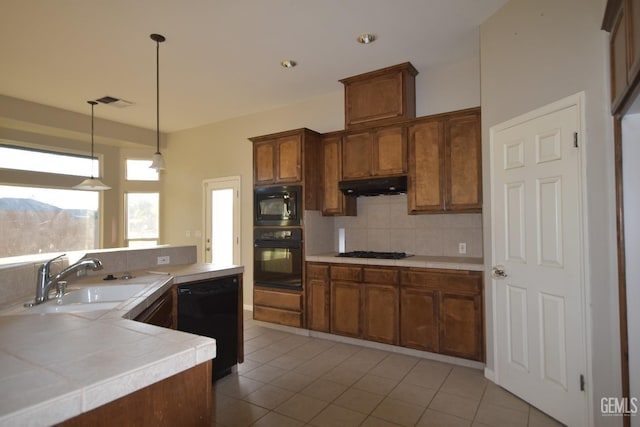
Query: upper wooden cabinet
[380,152]
[280,158]
[445,163]
[287,158]
[333,201]
[380,96]
[622,20]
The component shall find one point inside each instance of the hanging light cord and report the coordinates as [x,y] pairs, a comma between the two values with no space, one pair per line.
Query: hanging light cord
[93,103]
[158,96]
[158,38]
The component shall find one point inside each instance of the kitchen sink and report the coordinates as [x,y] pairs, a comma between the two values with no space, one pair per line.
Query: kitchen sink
[90,298]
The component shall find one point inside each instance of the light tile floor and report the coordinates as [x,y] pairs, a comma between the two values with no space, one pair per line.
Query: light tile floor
[293,380]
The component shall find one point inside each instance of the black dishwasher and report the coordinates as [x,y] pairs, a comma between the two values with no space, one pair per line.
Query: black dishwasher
[210,308]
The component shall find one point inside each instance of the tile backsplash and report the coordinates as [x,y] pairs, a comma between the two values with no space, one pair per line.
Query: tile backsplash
[383,224]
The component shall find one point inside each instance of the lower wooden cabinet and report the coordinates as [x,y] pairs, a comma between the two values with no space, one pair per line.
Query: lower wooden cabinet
[276,306]
[440,311]
[461,325]
[380,314]
[419,319]
[163,311]
[345,308]
[318,298]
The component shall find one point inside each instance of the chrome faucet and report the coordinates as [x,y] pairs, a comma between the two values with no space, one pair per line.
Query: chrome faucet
[46,282]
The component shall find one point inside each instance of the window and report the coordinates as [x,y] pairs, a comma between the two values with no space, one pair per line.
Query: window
[142,222]
[34,160]
[138,170]
[41,220]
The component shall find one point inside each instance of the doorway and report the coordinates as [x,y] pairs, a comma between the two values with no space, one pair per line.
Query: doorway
[538,274]
[222,221]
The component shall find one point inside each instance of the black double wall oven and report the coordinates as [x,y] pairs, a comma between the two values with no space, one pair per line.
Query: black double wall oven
[277,247]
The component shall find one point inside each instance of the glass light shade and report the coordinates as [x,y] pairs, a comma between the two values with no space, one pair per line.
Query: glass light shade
[158,162]
[93,184]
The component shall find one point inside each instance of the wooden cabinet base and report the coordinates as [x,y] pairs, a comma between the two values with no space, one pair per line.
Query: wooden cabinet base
[276,315]
[183,399]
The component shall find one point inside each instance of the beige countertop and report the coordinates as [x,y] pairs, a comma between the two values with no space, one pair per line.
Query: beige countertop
[417,261]
[56,366]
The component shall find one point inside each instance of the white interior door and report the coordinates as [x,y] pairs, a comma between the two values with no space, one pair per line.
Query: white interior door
[630,180]
[537,245]
[222,221]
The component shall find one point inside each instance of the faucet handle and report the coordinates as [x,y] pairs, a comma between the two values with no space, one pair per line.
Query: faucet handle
[47,264]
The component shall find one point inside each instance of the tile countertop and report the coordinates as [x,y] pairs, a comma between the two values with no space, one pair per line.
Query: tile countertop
[56,366]
[418,261]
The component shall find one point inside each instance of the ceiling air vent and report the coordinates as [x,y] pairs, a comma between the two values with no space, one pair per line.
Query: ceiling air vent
[114,102]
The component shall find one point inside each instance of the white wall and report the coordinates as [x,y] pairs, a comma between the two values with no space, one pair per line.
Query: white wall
[631,178]
[223,149]
[534,53]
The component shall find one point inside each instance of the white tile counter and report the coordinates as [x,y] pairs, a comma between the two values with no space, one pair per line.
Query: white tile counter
[56,366]
[449,263]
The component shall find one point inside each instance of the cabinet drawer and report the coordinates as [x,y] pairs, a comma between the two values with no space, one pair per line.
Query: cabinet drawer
[348,273]
[383,276]
[275,315]
[283,300]
[463,280]
[317,271]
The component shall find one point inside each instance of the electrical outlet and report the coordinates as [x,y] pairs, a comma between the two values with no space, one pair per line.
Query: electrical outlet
[162,260]
[462,248]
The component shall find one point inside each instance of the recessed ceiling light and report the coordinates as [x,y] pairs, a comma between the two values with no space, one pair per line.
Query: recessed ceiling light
[288,63]
[366,38]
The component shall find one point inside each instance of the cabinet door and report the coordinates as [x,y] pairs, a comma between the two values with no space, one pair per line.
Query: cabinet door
[289,159]
[356,155]
[463,164]
[426,167]
[333,201]
[318,297]
[461,325]
[380,314]
[345,308]
[419,319]
[390,151]
[263,162]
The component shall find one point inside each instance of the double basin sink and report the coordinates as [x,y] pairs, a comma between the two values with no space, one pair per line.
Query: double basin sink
[89,298]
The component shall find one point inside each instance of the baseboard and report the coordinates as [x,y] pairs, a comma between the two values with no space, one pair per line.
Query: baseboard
[490,374]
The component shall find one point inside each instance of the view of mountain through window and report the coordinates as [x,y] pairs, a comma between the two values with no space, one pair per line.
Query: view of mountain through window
[41,220]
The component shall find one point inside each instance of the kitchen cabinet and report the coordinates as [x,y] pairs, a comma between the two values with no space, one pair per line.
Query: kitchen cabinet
[456,301]
[435,310]
[182,399]
[380,152]
[380,96]
[419,318]
[364,302]
[445,169]
[163,311]
[622,20]
[380,316]
[346,300]
[290,157]
[278,160]
[318,297]
[333,201]
[278,306]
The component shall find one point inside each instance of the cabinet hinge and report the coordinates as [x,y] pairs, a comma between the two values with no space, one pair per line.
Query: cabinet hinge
[575,139]
[581,382]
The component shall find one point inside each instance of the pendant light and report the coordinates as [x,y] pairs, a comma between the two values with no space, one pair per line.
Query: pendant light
[158,160]
[92,183]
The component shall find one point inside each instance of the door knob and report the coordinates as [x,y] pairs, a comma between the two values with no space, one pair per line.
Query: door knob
[498,272]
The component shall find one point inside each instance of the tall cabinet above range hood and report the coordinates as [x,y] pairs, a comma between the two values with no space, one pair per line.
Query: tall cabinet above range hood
[374,186]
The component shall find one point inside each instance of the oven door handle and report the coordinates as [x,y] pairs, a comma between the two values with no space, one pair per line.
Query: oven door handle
[277,244]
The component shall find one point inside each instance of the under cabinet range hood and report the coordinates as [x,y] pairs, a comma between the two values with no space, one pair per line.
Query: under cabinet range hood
[374,186]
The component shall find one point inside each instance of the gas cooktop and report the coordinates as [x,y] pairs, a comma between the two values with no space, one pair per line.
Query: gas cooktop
[372,254]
